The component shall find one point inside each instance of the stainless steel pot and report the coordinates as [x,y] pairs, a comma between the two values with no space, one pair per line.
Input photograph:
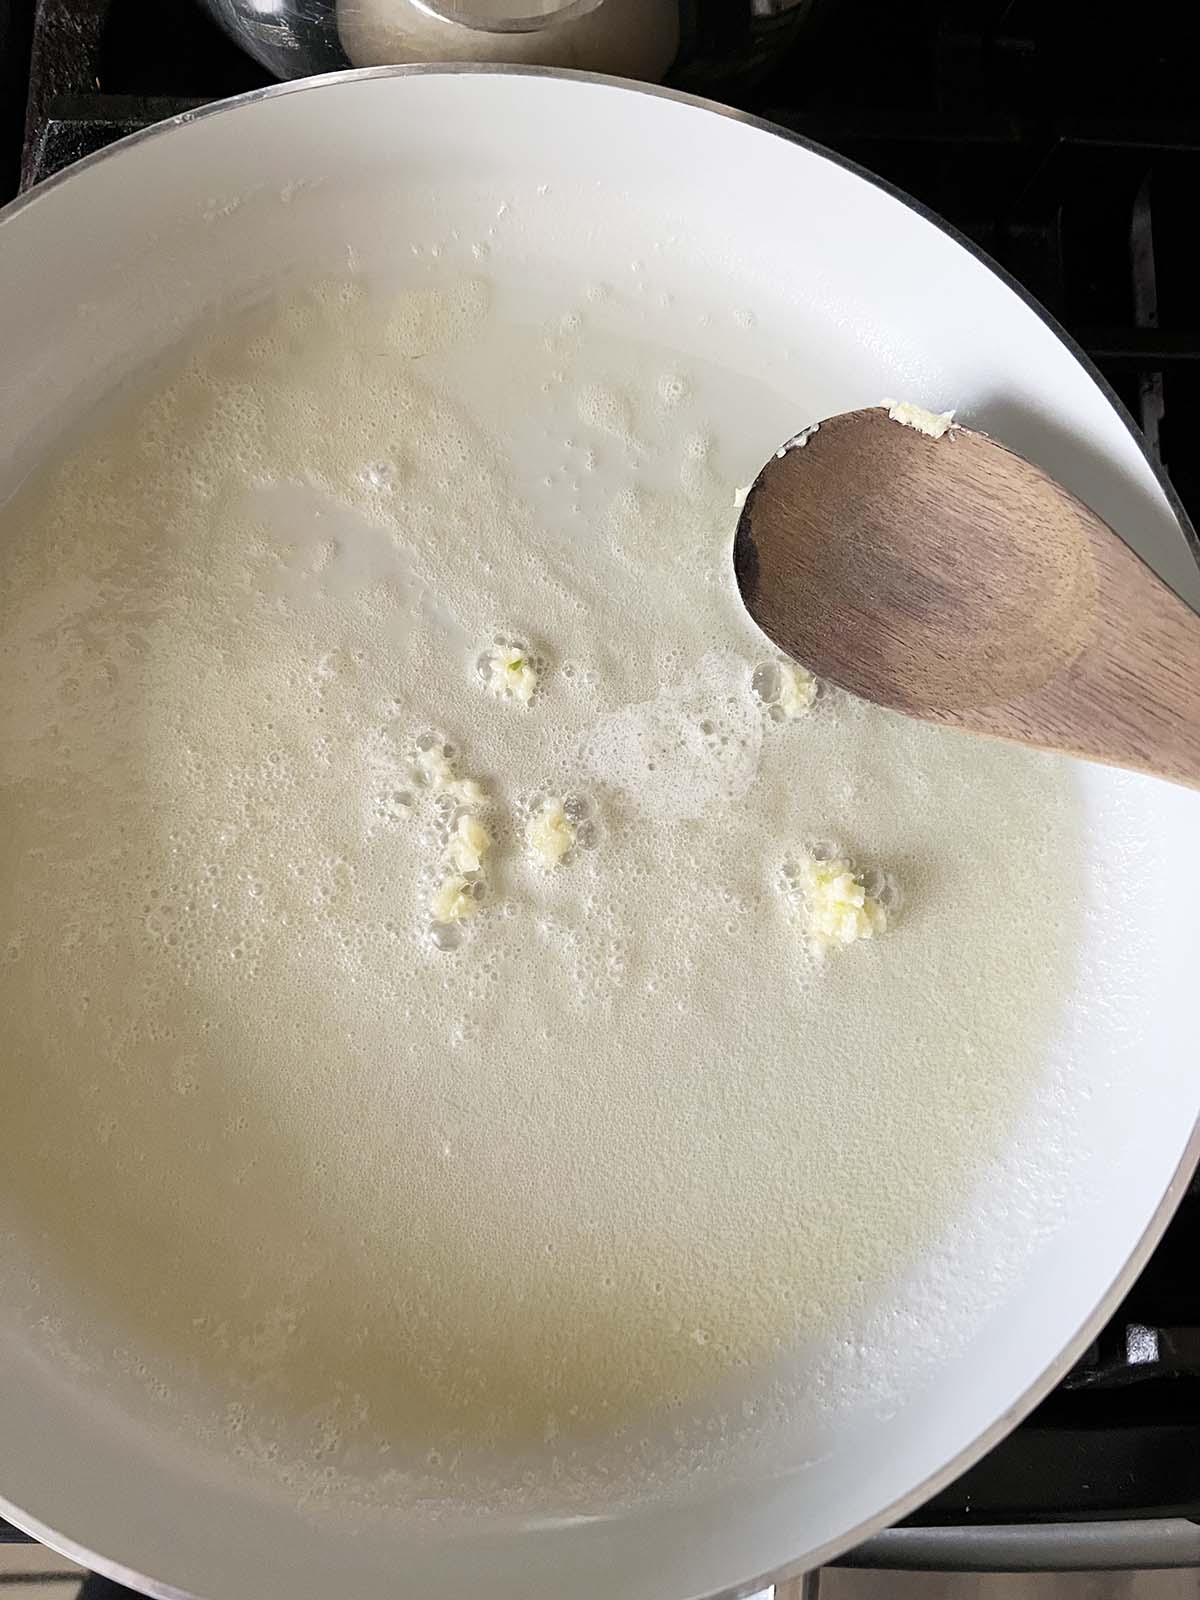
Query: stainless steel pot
[705,45]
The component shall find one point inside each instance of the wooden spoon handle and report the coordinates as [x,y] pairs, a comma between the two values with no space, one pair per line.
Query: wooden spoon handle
[1150,673]
[1131,695]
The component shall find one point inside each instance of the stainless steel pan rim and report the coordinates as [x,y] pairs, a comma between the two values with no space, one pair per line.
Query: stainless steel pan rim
[159,1589]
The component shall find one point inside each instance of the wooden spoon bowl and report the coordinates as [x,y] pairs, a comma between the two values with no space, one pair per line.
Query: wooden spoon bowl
[953,580]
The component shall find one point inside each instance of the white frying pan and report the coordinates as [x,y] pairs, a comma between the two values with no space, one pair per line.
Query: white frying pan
[862,296]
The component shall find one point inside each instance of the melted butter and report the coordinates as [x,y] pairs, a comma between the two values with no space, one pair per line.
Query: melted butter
[627,1138]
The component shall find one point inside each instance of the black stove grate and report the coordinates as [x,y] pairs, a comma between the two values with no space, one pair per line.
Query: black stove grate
[1067,147]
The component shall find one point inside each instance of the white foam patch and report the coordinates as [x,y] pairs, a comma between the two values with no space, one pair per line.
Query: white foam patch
[691,749]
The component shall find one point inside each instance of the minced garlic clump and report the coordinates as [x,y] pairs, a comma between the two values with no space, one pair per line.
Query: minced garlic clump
[839,905]
[454,899]
[550,833]
[510,673]
[460,889]
[786,689]
[469,843]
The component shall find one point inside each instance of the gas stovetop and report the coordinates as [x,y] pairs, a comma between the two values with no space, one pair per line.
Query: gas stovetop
[1070,151]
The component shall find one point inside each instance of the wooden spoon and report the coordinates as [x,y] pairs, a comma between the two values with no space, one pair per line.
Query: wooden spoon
[950,579]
